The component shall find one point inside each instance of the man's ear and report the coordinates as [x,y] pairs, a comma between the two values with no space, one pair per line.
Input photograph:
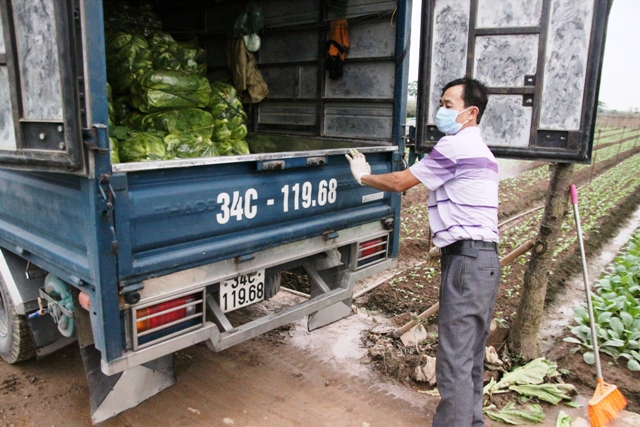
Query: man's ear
[474,111]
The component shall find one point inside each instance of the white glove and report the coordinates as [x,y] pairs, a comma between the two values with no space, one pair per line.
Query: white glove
[359,165]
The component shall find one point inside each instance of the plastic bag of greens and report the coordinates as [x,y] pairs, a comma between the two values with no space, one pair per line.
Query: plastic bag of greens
[127,56]
[191,50]
[189,145]
[190,120]
[225,102]
[228,114]
[163,90]
[142,146]
[113,151]
[232,147]
[170,55]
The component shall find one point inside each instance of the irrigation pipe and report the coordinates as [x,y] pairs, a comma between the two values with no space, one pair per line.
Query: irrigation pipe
[383,280]
[513,218]
[291,291]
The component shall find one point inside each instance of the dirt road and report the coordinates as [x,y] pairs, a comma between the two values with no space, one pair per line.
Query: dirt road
[286,378]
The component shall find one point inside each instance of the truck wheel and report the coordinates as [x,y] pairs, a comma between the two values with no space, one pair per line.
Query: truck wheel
[16,343]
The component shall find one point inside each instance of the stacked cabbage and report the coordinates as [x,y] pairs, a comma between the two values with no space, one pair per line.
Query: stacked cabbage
[162,106]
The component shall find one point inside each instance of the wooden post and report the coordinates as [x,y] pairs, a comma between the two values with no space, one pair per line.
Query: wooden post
[595,153]
[524,331]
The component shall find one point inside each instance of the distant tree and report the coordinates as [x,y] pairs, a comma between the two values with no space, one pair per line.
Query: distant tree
[602,106]
[411,108]
[412,89]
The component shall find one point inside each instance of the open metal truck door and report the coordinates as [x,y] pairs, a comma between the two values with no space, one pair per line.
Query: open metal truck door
[41,86]
[540,59]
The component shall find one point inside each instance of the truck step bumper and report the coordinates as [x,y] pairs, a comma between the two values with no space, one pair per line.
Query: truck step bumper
[330,306]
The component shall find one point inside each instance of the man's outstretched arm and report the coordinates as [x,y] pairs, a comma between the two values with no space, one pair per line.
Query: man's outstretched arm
[394,181]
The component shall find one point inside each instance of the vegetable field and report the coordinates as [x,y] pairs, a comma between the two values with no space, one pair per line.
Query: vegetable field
[616,303]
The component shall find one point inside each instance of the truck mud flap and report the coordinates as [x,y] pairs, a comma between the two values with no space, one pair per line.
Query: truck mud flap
[111,395]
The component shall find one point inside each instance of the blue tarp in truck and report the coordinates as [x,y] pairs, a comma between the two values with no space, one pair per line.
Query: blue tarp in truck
[138,260]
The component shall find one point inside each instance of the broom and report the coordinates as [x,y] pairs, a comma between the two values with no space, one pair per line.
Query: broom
[607,400]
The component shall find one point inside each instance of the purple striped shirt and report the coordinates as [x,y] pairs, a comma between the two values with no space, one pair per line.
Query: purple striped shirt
[462,176]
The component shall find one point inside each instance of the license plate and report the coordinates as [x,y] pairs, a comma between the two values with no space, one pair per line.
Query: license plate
[242,291]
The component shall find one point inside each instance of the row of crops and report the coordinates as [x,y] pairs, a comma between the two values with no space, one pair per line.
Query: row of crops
[596,202]
[616,305]
[617,301]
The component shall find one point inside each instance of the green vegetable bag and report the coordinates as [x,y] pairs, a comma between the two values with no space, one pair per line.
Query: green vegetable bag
[171,55]
[163,90]
[128,56]
[189,120]
[229,120]
[141,147]
[189,145]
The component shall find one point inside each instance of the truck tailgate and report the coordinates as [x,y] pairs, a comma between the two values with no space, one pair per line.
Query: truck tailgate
[172,219]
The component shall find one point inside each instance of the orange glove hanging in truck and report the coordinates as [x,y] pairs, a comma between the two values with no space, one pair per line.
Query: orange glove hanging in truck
[337,47]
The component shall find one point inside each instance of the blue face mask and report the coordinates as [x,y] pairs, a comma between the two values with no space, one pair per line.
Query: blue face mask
[446,121]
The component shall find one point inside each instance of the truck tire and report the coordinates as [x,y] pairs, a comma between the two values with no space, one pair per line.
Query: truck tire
[16,343]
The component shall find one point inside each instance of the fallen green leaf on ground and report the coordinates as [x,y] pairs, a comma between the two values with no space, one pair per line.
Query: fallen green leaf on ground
[533,372]
[563,420]
[547,392]
[510,414]
[573,404]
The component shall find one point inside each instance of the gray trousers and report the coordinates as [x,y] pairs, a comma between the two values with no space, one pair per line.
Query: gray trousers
[468,291]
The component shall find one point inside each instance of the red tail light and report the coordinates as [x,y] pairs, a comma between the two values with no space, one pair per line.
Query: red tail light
[167,312]
[372,246]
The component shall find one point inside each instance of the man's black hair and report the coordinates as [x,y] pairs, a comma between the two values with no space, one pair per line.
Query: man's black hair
[474,93]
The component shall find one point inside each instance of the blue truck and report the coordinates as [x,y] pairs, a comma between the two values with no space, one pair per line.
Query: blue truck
[136,261]
[159,252]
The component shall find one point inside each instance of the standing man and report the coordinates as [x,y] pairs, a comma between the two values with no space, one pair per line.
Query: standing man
[461,174]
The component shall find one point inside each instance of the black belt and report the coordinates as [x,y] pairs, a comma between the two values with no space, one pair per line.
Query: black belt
[469,248]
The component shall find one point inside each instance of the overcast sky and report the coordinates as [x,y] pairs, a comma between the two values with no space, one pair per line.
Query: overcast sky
[620,85]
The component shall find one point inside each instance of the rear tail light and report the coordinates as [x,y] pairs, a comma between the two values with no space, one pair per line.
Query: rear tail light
[372,251]
[159,321]
[164,313]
